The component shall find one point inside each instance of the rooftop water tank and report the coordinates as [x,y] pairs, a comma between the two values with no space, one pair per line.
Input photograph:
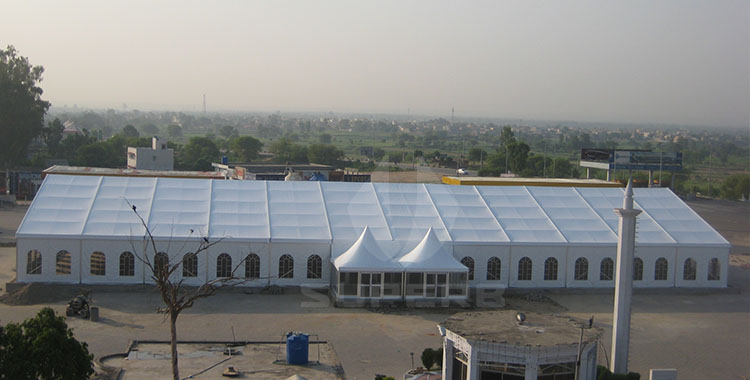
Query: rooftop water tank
[297,345]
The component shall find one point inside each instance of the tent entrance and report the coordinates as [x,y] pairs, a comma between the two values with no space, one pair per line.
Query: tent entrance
[370,285]
[435,285]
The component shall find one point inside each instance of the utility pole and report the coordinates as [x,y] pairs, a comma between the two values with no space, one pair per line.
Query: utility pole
[204,104]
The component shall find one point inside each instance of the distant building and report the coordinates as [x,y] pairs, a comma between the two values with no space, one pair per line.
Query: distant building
[520,181]
[70,129]
[114,172]
[273,172]
[158,157]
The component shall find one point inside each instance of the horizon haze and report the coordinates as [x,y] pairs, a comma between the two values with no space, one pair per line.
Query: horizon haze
[672,62]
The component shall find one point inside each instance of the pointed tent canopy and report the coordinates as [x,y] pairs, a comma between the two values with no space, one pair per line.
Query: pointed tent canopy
[431,255]
[365,255]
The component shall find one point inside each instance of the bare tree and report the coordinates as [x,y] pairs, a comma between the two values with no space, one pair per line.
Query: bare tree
[174,293]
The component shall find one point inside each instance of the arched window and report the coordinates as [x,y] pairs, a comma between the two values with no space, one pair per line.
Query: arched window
[607,269]
[469,263]
[62,262]
[550,269]
[252,266]
[493,269]
[714,270]
[224,266]
[286,266]
[689,270]
[637,269]
[314,266]
[161,264]
[661,269]
[524,269]
[34,262]
[98,264]
[127,264]
[190,265]
[581,269]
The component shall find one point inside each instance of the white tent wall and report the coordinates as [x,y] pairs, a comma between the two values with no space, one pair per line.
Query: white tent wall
[238,251]
[112,249]
[649,255]
[481,254]
[537,254]
[702,257]
[594,255]
[300,252]
[49,249]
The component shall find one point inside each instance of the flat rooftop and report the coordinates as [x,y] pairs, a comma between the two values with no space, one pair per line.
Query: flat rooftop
[519,181]
[208,361]
[113,172]
[501,326]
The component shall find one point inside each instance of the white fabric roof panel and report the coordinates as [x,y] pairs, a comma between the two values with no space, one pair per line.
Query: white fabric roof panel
[61,207]
[75,206]
[431,255]
[572,216]
[238,210]
[465,214]
[676,218]
[520,215]
[409,211]
[351,207]
[605,200]
[297,211]
[365,254]
[110,213]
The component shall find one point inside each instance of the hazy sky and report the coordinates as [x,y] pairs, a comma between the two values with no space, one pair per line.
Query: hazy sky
[681,62]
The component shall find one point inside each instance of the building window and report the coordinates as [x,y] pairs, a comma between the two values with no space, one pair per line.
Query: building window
[550,269]
[127,264]
[190,265]
[314,267]
[469,263]
[224,266]
[607,269]
[493,269]
[689,270]
[714,270]
[661,269]
[34,262]
[581,269]
[524,269]
[62,262]
[252,266]
[98,264]
[161,264]
[637,269]
[286,266]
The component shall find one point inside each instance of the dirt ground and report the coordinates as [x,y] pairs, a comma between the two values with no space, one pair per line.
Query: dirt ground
[705,335]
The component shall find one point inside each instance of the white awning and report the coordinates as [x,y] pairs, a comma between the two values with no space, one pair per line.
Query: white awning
[365,255]
[431,255]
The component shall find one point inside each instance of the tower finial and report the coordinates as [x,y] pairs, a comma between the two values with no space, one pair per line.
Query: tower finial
[627,203]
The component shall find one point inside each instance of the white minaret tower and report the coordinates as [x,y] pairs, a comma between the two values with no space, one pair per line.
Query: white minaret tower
[624,282]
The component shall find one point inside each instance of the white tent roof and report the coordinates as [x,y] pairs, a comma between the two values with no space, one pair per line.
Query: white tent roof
[431,255]
[364,255]
[95,207]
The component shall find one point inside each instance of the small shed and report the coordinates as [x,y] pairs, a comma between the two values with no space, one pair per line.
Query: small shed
[432,272]
[364,272]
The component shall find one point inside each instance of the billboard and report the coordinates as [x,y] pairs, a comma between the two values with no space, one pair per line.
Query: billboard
[631,159]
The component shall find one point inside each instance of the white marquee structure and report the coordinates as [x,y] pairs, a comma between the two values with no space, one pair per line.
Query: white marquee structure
[80,229]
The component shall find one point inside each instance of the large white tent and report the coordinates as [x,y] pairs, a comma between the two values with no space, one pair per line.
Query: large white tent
[79,229]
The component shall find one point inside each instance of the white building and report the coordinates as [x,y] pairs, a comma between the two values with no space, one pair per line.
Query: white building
[158,157]
[495,345]
[80,229]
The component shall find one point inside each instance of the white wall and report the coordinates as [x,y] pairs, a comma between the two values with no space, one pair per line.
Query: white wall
[48,249]
[649,255]
[112,250]
[238,251]
[537,254]
[300,252]
[702,256]
[481,254]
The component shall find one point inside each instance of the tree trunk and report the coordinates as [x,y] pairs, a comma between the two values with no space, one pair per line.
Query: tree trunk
[173,343]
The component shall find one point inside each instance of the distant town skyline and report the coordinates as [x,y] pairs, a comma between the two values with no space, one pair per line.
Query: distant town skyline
[672,62]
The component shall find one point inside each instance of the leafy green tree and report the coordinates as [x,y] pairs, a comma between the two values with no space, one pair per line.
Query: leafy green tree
[150,129]
[418,153]
[736,187]
[198,154]
[70,145]
[428,358]
[325,138]
[174,131]
[228,131]
[378,154]
[324,154]
[507,137]
[286,151]
[477,154]
[53,134]
[395,157]
[43,348]
[246,148]
[92,155]
[130,131]
[22,108]
[517,155]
